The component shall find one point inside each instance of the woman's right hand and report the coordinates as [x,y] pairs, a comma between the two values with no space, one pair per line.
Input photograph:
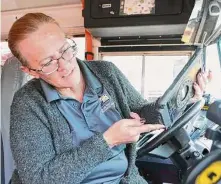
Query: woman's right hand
[128,131]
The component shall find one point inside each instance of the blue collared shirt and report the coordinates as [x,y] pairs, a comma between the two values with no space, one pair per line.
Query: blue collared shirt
[96,113]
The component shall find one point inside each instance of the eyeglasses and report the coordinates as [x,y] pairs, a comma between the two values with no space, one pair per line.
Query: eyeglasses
[53,64]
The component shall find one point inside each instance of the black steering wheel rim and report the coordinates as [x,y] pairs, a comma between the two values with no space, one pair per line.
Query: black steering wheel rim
[144,146]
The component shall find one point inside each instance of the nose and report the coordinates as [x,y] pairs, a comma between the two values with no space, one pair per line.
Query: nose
[62,65]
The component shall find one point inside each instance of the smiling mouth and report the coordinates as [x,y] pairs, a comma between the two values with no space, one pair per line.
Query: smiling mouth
[68,74]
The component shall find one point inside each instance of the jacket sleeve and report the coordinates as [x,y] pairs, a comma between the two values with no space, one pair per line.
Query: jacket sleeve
[35,157]
[135,100]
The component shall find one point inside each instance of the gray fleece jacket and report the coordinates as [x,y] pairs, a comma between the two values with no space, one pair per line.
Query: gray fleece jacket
[41,139]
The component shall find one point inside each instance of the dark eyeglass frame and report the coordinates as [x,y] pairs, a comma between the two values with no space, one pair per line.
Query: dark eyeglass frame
[73,45]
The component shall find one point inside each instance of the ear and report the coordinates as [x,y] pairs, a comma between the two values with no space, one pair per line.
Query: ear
[29,72]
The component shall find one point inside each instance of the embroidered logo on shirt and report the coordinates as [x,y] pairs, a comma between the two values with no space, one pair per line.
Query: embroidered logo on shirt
[105,103]
[104,98]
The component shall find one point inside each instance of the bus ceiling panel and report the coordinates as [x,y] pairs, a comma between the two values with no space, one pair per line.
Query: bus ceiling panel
[71,23]
[106,18]
[13,5]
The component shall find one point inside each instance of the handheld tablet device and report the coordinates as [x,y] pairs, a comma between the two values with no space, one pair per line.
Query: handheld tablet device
[175,100]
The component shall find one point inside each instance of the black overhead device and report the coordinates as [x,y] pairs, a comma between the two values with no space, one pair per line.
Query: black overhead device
[111,18]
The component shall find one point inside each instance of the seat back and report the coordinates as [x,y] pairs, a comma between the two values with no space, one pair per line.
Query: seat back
[12,78]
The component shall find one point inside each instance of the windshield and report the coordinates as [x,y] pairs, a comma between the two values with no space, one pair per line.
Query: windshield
[151,75]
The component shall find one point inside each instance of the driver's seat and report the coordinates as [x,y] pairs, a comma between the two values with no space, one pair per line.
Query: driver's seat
[12,78]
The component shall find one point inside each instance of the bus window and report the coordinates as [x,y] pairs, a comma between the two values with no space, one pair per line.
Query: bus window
[141,70]
[80,41]
[5,52]
[131,66]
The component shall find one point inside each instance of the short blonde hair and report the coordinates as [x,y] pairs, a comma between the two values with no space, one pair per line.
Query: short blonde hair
[24,26]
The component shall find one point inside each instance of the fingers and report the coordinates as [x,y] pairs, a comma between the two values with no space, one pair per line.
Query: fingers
[198,91]
[210,75]
[203,78]
[202,81]
[133,122]
[128,130]
[134,115]
[148,128]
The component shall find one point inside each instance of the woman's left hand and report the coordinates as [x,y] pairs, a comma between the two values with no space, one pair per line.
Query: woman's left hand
[203,78]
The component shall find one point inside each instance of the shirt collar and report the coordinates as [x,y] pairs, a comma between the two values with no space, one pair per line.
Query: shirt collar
[90,78]
[50,92]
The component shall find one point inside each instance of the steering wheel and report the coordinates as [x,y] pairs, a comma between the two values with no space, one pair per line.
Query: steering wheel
[147,144]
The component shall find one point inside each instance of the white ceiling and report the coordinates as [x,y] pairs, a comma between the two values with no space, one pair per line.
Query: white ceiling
[8,5]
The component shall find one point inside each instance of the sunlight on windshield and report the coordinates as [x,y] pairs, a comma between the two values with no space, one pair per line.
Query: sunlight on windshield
[212,58]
